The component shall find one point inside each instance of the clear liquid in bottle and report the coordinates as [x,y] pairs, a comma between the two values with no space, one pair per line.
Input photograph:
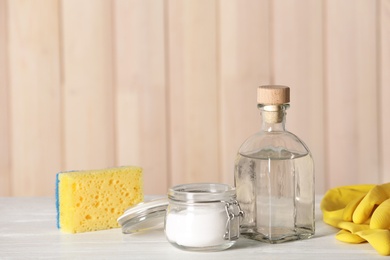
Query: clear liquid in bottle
[278,205]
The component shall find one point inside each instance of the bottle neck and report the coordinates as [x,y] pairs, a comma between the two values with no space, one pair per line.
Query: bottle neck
[273,117]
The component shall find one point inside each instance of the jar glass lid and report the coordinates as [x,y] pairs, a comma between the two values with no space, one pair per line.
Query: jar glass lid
[144,216]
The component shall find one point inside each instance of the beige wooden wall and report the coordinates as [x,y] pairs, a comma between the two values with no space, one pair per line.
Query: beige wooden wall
[170,85]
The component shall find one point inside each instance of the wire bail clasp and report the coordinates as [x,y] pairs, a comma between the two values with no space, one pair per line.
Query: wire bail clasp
[235,214]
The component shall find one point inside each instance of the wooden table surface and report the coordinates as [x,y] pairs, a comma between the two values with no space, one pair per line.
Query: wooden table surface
[28,230]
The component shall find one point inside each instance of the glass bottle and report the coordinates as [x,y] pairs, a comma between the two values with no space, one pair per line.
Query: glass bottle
[274,176]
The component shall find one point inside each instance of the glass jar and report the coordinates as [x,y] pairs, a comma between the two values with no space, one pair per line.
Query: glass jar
[274,176]
[196,217]
[202,217]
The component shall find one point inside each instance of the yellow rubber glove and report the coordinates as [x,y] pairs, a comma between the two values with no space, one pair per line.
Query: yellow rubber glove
[378,239]
[339,203]
[374,198]
[362,212]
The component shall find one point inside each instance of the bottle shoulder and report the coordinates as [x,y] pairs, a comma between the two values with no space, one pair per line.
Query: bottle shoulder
[284,143]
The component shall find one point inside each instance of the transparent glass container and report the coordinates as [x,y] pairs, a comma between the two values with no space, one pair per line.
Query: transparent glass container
[274,176]
[202,217]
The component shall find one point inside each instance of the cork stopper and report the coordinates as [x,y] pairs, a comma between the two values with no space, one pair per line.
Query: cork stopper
[273,95]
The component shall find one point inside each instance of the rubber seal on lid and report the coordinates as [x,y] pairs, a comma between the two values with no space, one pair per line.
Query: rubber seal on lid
[144,216]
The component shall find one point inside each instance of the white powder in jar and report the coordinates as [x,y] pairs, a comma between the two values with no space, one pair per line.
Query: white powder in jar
[197,227]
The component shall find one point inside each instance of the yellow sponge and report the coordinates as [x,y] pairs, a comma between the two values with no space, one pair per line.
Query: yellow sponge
[93,200]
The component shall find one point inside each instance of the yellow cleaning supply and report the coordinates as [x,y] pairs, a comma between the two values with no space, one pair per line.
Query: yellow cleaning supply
[362,212]
[93,200]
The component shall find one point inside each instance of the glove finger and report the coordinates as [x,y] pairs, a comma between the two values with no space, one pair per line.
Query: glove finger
[386,188]
[351,207]
[381,217]
[379,239]
[348,237]
[374,197]
[352,227]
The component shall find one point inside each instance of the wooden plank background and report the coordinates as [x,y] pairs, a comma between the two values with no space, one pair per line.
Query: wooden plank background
[170,85]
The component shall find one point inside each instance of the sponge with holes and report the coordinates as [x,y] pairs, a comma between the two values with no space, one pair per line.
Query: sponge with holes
[93,200]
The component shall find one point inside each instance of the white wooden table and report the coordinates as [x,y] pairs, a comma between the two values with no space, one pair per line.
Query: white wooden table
[28,230]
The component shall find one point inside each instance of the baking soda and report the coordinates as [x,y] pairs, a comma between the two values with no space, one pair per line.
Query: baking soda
[197,227]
